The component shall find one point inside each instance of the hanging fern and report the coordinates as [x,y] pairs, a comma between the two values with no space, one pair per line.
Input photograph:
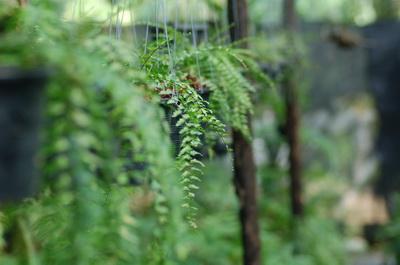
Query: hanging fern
[225,70]
[182,75]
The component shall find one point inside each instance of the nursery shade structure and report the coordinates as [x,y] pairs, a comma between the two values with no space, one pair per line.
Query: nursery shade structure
[143,11]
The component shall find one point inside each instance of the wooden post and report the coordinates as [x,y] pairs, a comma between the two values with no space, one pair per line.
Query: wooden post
[244,167]
[292,131]
[293,118]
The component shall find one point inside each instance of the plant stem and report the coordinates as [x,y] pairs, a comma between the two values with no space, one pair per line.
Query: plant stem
[28,242]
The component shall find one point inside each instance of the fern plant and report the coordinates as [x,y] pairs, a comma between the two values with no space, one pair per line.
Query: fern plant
[194,118]
[99,121]
[184,74]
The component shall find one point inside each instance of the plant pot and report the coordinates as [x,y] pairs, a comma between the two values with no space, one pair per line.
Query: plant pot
[196,33]
[21,96]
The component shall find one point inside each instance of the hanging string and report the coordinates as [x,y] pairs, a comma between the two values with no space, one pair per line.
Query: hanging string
[77,9]
[156,21]
[175,26]
[80,8]
[133,23]
[224,28]
[116,19]
[194,42]
[110,28]
[171,61]
[205,17]
[74,8]
[206,40]
[147,34]
[217,25]
[186,17]
[175,92]
[157,28]
[120,20]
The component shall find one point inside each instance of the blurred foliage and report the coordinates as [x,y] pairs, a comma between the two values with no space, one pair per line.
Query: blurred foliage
[105,129]
[391,233]
[387,9]
[106,114]
[142,11]
[262,12]
[98,121]
[358,12]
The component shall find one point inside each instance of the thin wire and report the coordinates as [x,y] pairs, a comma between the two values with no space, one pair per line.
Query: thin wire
[110,29]
[204,14]
[80,8]
[175,25]
[174,90]
[157,28]
[117,21]
[225,27]
[120,21]
[74,9]
[156,21]
[171,63]
[211,67]
[194,41]
[215,23]
[147,34]
[133,23]
[187,16]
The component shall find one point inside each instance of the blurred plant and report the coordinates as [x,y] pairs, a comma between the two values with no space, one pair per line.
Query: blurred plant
[99,123]
[386,9]
[391,233]
[105,129]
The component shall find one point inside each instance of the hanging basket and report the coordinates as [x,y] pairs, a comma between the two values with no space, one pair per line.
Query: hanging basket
[21,96]
[219,147]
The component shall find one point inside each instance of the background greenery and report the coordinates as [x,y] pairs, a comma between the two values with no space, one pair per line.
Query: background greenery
[111,108]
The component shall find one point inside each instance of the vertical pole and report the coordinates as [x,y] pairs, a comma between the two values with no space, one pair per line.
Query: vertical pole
[244,167]
[293,118]
[293,125]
